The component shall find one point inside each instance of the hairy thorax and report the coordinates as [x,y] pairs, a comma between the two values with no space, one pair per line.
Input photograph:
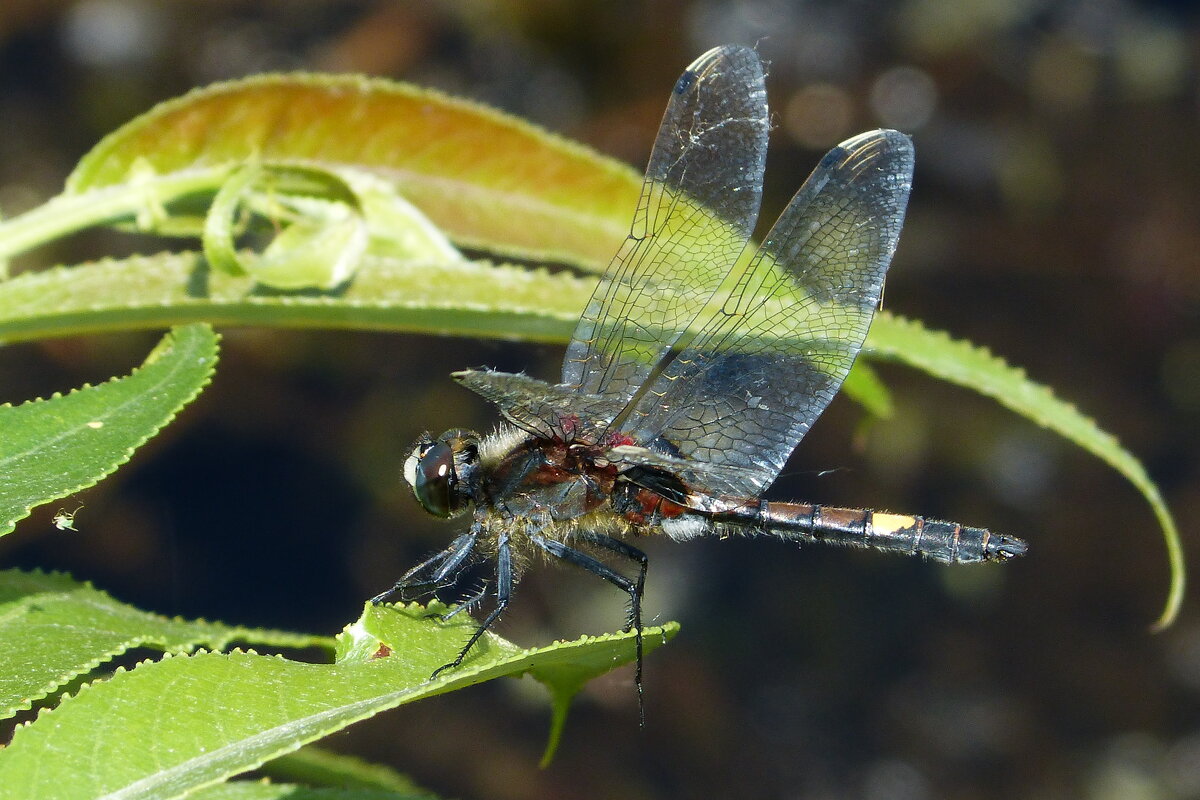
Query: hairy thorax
[552,488]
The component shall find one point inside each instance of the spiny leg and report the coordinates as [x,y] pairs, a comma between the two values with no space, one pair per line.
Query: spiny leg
[635,605]
[504,584]
[633,554]
[443,564]
[622,582]
[467,603]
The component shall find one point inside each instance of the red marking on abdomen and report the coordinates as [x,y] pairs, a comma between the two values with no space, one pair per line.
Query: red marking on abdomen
[652,504]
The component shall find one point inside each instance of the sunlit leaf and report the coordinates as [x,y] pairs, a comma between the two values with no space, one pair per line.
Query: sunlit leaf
[173,726]
[488,180]
[54,629]
[314,766]
[261,790]
[52,448]
[323,223]
[473,298]
[975,368]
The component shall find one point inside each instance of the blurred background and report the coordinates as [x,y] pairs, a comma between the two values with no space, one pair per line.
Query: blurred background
[1053,219]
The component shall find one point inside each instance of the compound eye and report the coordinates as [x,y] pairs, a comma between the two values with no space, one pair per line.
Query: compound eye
[435,479]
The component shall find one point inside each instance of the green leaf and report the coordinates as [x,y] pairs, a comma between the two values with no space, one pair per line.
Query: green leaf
[169,727]
[488,180]
[324,223]
[976,368]
[453,297]
[247,790]
[222,220]
[53,448]
[314,766]
[54,629]
[864,386]
[321,252]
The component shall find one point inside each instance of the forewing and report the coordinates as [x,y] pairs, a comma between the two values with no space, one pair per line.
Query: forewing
[545,410]
[698,207]
[767,363]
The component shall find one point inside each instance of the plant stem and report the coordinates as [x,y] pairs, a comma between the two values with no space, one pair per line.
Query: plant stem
[68,213]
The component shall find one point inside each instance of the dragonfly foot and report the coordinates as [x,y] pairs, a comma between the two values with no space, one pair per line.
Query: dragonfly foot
[456,662]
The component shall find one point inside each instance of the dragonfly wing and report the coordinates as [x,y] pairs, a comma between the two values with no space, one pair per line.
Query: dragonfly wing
[698,207]
[545,410]
[677,479]
[762,369]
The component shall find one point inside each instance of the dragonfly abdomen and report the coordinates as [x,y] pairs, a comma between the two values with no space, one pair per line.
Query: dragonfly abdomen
[947,542]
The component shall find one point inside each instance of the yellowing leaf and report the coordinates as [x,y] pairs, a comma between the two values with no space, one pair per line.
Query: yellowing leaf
[471,170]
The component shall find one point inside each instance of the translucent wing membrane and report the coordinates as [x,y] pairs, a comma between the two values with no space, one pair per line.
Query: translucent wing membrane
[551,412]
[698,207]
[767,363]
[729,403]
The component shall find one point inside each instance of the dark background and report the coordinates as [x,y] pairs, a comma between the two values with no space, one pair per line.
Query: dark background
[1054,220]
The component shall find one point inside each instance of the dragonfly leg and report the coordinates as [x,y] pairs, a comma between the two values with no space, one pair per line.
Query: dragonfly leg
[504,585]
[440,569]
[622,582]
[467,603]
[633,554]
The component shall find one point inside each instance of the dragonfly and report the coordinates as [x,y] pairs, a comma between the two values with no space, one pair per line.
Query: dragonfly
[693,372]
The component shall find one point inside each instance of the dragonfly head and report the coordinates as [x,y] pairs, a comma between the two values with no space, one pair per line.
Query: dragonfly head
[441,471]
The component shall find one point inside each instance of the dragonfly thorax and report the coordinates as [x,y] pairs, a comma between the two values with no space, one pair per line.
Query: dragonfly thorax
[442,471]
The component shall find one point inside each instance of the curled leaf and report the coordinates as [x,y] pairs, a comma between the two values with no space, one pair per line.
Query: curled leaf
[488,180]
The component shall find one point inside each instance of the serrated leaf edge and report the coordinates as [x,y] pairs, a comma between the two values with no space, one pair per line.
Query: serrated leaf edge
[1123,461]
[124,456]
[337,82]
